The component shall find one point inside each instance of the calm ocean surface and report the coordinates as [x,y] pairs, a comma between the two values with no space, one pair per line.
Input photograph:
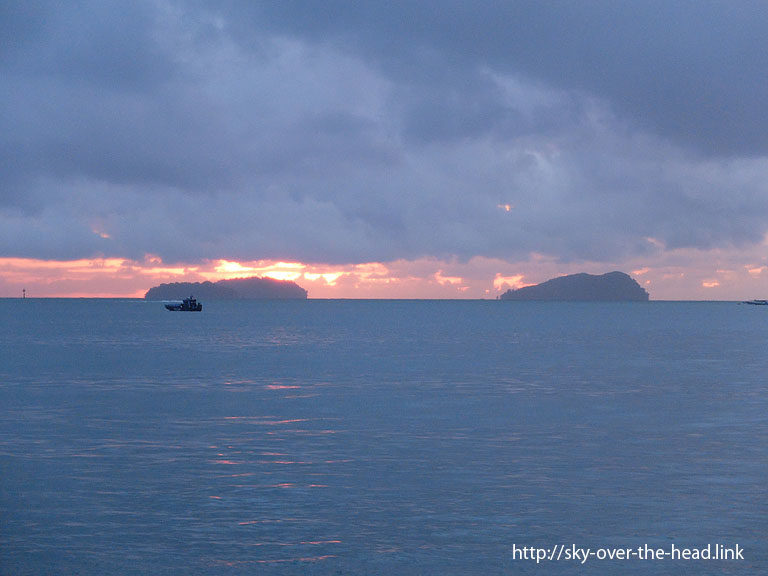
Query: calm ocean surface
[379,437]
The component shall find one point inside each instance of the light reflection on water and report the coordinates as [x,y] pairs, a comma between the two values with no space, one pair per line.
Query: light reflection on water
[375,438]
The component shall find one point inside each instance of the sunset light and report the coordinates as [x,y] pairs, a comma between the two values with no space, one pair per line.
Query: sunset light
[477,277]
[505,282]
[383,287]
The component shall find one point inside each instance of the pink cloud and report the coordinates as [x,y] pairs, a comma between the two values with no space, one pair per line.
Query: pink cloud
[667,275]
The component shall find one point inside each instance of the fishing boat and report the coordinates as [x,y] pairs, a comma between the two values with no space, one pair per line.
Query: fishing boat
[756,302]
[187,305]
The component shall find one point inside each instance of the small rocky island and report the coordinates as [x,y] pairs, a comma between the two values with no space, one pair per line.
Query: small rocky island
[255,288]
[610,287]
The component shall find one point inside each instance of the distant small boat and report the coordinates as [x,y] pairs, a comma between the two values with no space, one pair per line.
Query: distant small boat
[187,305]
[756,302]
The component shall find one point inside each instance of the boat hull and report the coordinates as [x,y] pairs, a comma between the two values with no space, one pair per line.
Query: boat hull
[187,305]
[180,308]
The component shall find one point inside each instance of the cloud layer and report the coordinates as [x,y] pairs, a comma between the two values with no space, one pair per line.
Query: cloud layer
[376,132]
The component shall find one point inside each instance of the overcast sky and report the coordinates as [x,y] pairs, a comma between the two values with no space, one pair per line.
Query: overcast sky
[583,135]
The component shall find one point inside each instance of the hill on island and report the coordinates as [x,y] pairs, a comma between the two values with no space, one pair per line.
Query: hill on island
[610,287]
[234,289]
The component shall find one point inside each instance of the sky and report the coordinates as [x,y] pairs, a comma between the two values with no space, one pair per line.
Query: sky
[394,149]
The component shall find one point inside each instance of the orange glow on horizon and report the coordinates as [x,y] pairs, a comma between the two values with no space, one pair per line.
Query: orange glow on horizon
[329,277]
[502,283]
[450,280]
[276,270]
[706,276]
[123,277]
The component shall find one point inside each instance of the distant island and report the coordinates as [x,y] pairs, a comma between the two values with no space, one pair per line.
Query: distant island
[235,289]
[610,287]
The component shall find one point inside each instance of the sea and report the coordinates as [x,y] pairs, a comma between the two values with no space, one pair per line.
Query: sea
[383,437]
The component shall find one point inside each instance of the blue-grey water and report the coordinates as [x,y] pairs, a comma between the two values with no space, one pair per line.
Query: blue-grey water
[379,437]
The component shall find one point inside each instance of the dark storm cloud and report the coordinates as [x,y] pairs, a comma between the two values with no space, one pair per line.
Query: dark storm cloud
[690,71]
[344,132]
[110,44]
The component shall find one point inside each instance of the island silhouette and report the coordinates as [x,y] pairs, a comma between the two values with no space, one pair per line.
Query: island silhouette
[255,288]
[610,287]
